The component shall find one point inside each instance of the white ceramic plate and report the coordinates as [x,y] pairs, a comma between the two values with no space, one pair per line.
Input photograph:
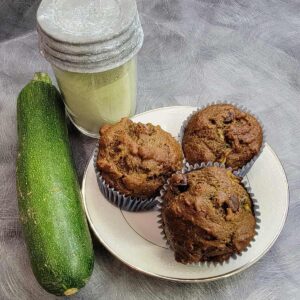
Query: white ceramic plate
[135,239]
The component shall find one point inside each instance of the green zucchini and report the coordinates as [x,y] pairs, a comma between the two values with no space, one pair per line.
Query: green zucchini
[49,198]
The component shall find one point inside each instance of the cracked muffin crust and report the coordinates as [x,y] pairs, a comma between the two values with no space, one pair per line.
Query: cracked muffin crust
[222,133]
[207,215]
[136,159]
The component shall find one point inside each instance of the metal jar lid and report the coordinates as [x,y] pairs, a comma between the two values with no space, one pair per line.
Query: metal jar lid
[89,36]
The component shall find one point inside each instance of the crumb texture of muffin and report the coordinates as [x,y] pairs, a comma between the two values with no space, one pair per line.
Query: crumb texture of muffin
[222,133]
[207,215]
[136,159]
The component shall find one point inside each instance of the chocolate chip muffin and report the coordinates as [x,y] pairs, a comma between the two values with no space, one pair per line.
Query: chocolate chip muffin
[207,215]
[222,133]
[136,159]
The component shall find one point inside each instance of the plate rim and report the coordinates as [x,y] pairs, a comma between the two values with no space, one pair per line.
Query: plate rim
[194,280]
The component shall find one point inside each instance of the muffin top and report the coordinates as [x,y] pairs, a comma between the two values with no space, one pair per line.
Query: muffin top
[207,215]
[135,158]
[222,133]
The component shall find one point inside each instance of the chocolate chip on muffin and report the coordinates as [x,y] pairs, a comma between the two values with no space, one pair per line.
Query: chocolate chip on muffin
[136,159]
[210,219]
[222,133]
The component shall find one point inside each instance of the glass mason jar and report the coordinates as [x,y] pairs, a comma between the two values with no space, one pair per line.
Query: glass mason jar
[92,48]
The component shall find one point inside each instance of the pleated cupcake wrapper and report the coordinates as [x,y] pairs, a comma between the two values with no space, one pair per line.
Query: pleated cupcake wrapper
[244,170]
[188,168]
[118,199]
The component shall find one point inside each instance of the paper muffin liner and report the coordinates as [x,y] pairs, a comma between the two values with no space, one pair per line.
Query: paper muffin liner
[127,203]
[188,168]
[241,171]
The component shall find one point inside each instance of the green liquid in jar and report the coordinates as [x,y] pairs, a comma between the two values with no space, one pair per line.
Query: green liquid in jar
[93,99]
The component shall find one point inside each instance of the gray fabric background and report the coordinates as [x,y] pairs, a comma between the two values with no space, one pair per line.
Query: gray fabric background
[194,52]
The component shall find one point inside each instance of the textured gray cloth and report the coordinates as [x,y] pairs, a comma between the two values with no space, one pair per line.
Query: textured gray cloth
[194,52]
